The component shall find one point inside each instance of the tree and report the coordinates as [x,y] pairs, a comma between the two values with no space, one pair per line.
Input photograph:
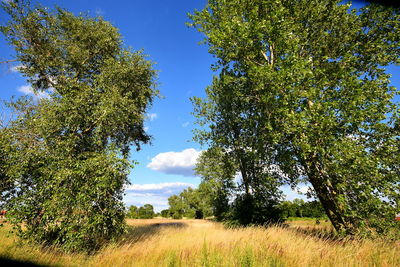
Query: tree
[132,212]
[313,209]
[176,207]
[198,200]
[68,153]
[302,89]
[190,203]
[5,150]
[146,212]
[288,209]
[235,132]
[254,201]
[165,213]
[217,171]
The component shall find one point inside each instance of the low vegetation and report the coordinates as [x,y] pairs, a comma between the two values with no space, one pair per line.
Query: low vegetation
[163,242]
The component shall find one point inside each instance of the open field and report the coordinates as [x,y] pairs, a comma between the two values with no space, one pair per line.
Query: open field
[163,242]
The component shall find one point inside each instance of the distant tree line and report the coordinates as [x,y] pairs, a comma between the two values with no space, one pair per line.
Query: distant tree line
[144,212]
[301,208]
[199,204]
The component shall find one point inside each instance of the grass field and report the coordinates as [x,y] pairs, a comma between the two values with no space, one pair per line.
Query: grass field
[163,242]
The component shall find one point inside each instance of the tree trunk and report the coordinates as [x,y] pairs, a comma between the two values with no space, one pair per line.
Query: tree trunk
[327,195]
[246,182]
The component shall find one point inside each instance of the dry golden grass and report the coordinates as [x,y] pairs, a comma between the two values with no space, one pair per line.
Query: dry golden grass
[163,242]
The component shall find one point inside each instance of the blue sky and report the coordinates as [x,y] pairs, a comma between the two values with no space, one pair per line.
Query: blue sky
[158,27]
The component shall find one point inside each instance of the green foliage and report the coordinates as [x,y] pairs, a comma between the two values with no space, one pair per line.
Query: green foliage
[302,96]
[146,212]
[67,154]
[176,207]
[190,203]
[165,213]
[300,208]
[255,210]
[132,212]
[256,195]
[217,172]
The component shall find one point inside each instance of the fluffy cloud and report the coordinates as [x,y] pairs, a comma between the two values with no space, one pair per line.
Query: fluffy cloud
[157,188]
[175,162]
[152,116]
[303,189]
[154,194]
[27,90]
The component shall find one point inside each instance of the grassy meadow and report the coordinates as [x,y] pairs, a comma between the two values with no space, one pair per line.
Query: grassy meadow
[164,242]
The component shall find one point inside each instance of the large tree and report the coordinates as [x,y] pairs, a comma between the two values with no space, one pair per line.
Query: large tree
[68,153]
[233,139]
[303,89]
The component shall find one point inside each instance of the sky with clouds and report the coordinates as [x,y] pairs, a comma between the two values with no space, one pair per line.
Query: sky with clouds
[158,27]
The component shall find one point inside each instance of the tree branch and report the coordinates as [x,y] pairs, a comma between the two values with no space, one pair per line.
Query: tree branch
[8,61]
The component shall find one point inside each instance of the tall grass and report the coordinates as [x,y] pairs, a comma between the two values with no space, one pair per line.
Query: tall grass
[203,243]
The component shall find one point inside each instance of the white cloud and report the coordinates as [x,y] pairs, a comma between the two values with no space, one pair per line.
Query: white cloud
[175,162]
[299,192]
[160,186]
[99,12]
[154,194]
[152,116]
[154,203]
[303,189]
[238,178]
[27,90]
[186,124]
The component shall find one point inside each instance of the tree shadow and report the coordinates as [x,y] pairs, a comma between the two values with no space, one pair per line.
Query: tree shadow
[12,263]
[137,233]
[324,234]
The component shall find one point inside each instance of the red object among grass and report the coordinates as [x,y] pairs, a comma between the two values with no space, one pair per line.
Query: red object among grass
[397,217]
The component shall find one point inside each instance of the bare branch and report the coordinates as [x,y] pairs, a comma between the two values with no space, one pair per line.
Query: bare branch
[265,56]
[8,61]
[271,50]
